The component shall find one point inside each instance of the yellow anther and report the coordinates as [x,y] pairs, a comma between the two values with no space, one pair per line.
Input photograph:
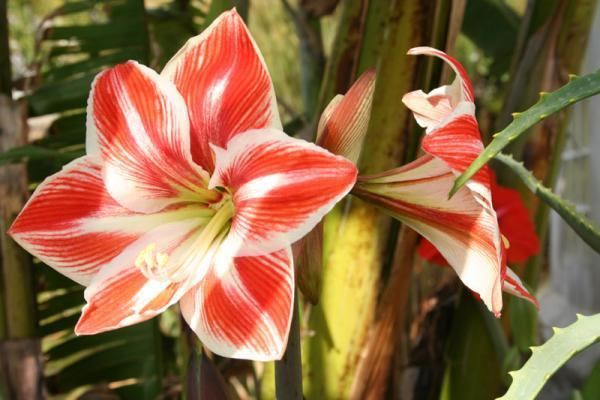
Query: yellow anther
[145,255]
[505,241]
[161,259]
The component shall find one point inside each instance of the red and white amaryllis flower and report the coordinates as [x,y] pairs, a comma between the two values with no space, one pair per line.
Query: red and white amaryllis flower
[464,228]
[190,193]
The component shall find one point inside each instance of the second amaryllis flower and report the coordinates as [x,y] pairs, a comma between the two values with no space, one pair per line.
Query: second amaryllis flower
[464,228]
[190,193]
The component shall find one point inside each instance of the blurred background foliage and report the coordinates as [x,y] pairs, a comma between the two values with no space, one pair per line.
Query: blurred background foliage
[387,324]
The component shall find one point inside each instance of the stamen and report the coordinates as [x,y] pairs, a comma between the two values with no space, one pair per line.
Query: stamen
[152,263]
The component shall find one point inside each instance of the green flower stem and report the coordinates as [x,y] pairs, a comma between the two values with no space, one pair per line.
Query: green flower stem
[288,370]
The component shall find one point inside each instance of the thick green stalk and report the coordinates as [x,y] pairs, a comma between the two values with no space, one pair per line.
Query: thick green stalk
[387,333]
[357,237]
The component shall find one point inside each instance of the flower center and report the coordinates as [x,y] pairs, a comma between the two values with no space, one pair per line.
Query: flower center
[194,254]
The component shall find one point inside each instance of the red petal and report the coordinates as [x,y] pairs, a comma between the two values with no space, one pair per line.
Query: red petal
[282,187]
[115,305]
[463,228]
[225,83]
[72,224]
[242,309]
[137,122]
[343,126]
[121,295]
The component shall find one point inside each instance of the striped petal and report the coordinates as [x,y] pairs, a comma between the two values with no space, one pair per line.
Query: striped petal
[225,83]
[463,89]
[344,123]
[281,188]
[73,224]
[137,123]
[124,293]
[243,306]
[458,143]
[463,229]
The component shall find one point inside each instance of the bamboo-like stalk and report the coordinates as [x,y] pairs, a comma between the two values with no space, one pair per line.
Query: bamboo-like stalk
[20,353]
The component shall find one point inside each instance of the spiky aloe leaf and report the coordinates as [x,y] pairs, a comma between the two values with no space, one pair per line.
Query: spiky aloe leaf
[585,228]
[547,358]
[577,89]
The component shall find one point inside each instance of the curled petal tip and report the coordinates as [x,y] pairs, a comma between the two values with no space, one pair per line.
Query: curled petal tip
[422,50]
[233,13]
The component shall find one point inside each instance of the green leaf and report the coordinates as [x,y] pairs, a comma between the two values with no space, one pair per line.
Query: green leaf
[586,229]
[546,359]
[577,89]
[92,64]
[500,46]
[31,152]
